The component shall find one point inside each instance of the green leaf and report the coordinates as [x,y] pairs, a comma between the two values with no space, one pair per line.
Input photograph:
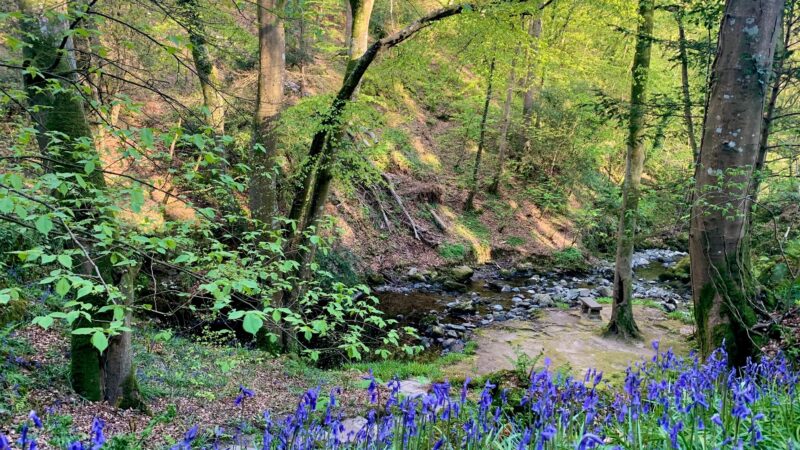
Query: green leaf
[65,260]
[100,341]
[137,199]
[62,287]
[88,167]
[252,323]
[44,225]
[43,321]
[6,205]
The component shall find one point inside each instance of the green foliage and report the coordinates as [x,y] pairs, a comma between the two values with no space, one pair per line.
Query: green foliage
[570,258]
[455,252]
[473,223]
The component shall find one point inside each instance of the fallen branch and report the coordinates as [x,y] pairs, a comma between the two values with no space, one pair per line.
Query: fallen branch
[437,220]
[386,221]
[400,204]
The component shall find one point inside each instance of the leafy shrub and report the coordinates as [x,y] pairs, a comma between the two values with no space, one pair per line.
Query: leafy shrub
[570,258]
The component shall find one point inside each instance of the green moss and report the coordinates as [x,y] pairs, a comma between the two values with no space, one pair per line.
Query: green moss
[85,368]
[131,397]
[13,311]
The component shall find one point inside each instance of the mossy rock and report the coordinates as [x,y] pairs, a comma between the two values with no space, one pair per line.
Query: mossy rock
[375,279]
[13,311]
[450,285]
[680,271]
[461,274]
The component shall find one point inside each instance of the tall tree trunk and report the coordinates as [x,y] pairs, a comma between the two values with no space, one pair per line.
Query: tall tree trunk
[207,72]
[503,144]
[473,186]
[722,288]
[269,99]
[62,111]
[772,102]
[687,97]
[622,322]
[534,31]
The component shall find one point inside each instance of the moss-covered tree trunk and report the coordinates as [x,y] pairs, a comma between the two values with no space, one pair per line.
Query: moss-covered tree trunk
[502,145]
[622,322]
[473,185]
[93,375]
[722,288]
[263,198]
[207,72]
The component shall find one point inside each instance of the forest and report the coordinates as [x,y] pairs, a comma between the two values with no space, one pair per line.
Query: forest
[399,224]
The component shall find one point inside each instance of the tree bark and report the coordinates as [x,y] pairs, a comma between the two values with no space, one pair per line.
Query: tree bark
[622,322]
[269,99]
[772,102]
[687,97]
[469,204]
[62,111]
[207,72]
[722,288]
[534,31]
[503,144]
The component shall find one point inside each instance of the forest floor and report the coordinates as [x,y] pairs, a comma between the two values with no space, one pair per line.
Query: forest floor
[188,382]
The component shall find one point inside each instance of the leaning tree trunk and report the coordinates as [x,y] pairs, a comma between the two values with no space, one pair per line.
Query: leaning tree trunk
[722,288]
[269,99]
[61,110]
[503,144]
[314,203]
[622,322]
[473,187]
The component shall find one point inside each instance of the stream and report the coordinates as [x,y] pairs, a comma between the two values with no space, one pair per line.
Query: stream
[448,318]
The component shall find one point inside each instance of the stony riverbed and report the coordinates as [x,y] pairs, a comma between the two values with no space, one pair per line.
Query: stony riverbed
[448,311]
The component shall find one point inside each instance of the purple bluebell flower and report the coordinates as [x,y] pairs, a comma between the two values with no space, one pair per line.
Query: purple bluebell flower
[97,437]
[243,394]
[526,439]
[35,419]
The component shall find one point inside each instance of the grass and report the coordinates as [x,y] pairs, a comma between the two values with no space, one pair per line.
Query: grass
[684,316]
[433,369]
[649,302]
[515,241]
[473,223]
[453,252]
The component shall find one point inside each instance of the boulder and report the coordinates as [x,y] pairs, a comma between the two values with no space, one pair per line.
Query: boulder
[450,285]
[414,274]
[461,274]
[461,308]
[604,291]
[543,300]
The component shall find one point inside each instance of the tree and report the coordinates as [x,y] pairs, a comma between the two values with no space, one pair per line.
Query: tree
[503,139]
[622,322]
[101,362]
[722,284]
[683,57]
[534,31]
[473,185]
[207,72]
[263,196]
